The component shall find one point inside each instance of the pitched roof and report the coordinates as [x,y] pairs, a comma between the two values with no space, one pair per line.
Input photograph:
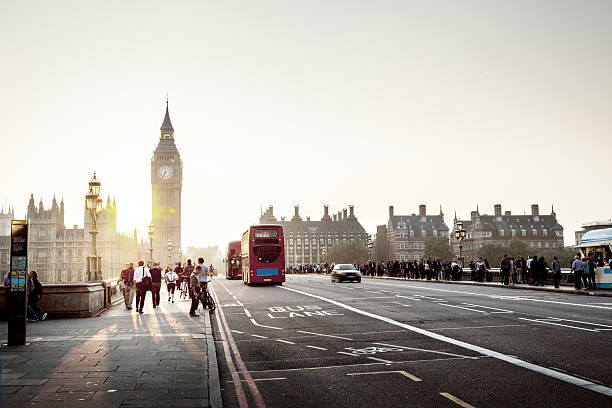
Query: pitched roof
[417,222]
[167,125]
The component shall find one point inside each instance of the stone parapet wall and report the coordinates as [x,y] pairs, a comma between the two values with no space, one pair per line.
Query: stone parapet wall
[63,300]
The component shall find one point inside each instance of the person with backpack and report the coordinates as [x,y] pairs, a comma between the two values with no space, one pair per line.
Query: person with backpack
[127,280]
[35,291]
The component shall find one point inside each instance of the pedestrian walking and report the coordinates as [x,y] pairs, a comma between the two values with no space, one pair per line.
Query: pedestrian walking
[543,270]
[591,277]
[142,279]
[156,279]
[504,268]
[203,279]
[127,279]
[555,267]
[577,269]
[35,291]
[171,279]
[194,285]
[185,274]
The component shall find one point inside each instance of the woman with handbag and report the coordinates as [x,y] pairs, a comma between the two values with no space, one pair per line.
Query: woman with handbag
[142,278]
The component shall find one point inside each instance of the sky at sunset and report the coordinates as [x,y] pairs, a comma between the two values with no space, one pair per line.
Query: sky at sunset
[370,103]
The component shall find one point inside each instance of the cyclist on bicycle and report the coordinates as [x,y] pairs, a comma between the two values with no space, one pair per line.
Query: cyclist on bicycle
[203,277]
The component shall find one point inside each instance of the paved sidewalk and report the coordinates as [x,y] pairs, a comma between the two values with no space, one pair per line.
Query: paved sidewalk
[162,358]
[546,288]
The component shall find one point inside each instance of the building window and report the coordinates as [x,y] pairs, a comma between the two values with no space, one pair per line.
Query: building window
[423,233]
[539,244]
[502,233]
[534,232]
[544,233]
[524,232]
[513,233]
[411,234]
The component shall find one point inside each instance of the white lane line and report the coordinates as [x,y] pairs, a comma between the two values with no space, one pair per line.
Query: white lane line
[371,297]
[456,400]
[237,331]
[284,341]
[461,307]
[263,325]
[427,351]
[325,335]
[247,313]
[516,298]
[559,324]
[578,321]
[404,373]
[317,348]
[258,336]
[381,360]
[491,308]
[500,356]
[408,297]
[348,354]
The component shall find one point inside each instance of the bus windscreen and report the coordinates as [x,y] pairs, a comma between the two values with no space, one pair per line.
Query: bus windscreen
[267,253]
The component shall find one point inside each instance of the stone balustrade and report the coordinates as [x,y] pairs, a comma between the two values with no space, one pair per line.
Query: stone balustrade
[62,300]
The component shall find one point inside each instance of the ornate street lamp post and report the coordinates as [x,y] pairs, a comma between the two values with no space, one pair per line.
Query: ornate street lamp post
[151,236]
[460,236]
[370,246]
[93,203]
[169,252]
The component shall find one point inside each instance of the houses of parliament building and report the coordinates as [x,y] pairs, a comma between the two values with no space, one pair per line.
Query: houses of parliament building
[307,241]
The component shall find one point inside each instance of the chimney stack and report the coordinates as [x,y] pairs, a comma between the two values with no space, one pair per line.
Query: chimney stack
[507,212]
[390,211]
[351,211]
[344,214]
[326,210]
[335,217]
[535,209]
[271,210]
[283,219]
[308,218]
[473,215]
[296,210]
[498,211]
[339,215]
[422,210]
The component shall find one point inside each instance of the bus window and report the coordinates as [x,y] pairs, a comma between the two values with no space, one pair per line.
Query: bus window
[267,253]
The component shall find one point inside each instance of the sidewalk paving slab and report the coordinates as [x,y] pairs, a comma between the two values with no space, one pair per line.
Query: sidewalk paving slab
[162,358]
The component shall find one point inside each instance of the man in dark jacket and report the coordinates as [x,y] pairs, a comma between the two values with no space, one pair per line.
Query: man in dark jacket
[156,278]
[555,266]
[504,269]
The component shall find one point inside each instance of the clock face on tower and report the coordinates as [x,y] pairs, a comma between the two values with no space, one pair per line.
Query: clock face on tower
[164,172]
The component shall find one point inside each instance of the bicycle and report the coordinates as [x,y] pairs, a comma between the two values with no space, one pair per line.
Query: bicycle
[210,303]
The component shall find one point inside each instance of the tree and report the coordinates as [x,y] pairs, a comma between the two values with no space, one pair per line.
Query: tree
[438,247]
[348,252]
[516,247]
[493,253]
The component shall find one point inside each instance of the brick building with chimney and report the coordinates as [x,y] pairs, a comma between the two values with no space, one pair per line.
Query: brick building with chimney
[406,234]
[305,240]
[538,231]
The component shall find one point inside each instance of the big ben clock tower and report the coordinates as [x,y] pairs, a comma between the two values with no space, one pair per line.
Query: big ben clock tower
[166,185]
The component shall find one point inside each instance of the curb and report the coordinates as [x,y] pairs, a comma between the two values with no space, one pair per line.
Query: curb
[214,386]
[498,285]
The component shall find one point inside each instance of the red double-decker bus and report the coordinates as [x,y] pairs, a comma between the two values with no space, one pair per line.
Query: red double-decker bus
[233,267]
[263,255]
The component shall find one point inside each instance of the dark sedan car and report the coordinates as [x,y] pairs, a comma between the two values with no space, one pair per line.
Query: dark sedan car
[343,272]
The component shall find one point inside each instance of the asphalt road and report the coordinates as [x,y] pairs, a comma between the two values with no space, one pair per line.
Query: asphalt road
[314,343]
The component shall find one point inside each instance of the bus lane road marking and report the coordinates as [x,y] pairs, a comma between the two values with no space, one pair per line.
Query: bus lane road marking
[456,400]
[481,350]
[288,312]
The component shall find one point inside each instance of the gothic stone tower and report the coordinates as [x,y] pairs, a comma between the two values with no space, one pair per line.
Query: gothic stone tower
[166,185]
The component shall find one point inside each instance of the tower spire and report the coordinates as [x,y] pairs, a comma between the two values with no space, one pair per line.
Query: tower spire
[167,124]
